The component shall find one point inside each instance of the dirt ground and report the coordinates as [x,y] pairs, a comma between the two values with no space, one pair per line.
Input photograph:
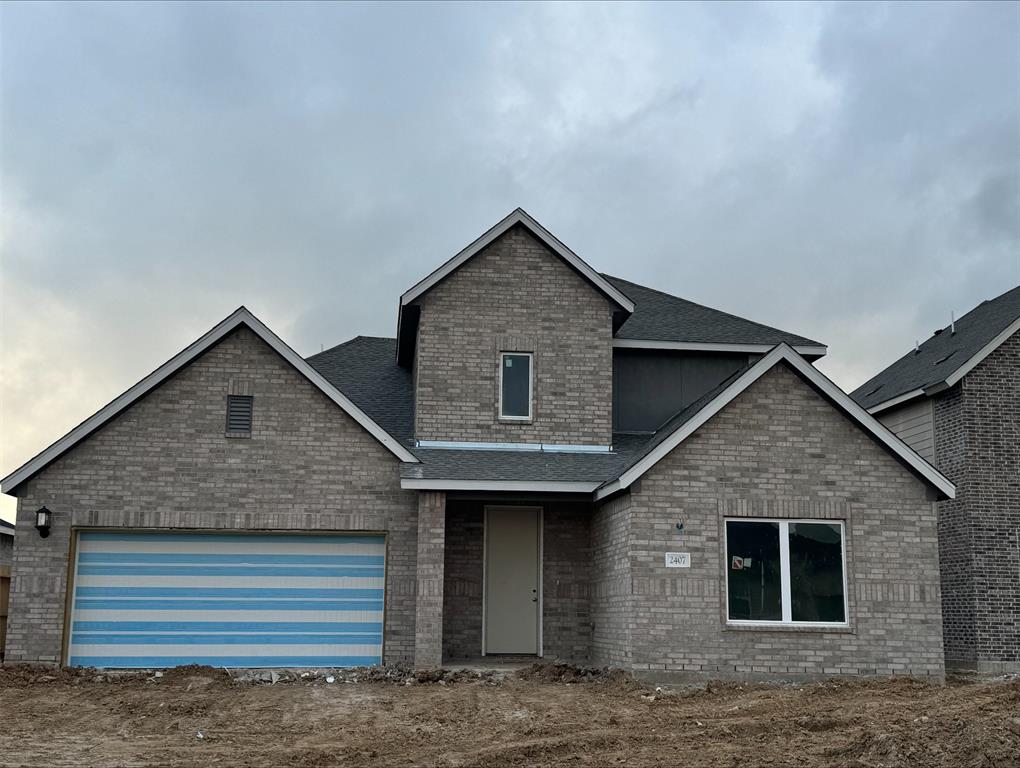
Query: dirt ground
[539,716]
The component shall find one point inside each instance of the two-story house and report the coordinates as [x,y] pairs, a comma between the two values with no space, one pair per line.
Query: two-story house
[546,461]
[955,399]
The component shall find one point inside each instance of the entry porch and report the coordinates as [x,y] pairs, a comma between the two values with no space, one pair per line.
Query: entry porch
[502,578]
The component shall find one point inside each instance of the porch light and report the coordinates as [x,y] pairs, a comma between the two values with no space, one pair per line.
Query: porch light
[43,519]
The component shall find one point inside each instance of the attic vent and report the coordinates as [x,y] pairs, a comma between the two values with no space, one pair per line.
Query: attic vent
[239,409]
[943,359]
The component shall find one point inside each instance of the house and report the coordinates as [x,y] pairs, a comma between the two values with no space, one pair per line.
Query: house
[6,555]
[545,461]
[956,400]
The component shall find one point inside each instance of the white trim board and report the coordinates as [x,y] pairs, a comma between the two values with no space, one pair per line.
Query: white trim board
[517,216]
[456,445]
[703,346]
[898,400]
[954,378]
[239,317]
[782,353]
[415,484]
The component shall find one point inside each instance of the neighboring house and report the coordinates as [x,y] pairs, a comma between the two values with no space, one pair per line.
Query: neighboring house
[6,555]
[545,461]
[956,400]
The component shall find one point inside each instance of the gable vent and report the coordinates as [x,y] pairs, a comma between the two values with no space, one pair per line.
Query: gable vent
[239,410]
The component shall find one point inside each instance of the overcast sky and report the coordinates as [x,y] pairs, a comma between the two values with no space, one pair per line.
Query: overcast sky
[850,173]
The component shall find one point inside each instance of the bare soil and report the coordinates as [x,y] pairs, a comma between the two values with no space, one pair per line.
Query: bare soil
[549,715]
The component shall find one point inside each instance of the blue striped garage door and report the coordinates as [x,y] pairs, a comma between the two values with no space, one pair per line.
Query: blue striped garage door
[230,600]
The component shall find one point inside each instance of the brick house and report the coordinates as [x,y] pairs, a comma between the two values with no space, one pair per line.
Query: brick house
[546,461]
[956,400]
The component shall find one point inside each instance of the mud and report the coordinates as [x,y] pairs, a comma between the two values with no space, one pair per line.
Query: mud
[542,715]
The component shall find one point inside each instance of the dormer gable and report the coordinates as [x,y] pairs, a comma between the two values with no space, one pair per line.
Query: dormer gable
[410,300]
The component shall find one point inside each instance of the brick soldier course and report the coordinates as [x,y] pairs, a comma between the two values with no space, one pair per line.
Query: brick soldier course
[404,438]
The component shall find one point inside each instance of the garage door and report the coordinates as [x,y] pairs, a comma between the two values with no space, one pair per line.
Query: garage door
[232,600]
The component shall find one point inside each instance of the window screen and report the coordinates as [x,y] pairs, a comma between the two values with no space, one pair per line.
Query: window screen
[515,386]
[239,410]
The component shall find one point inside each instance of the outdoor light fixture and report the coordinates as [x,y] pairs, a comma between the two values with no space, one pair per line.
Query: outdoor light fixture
[43,518]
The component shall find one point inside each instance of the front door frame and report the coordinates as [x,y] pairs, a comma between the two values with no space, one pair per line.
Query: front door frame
[540,511]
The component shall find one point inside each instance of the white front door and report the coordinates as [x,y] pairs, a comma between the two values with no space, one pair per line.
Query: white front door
[513,584]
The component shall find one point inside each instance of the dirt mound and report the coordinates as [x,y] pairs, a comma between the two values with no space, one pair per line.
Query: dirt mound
[189,671]
[571,674]
[24,675]
[545,715]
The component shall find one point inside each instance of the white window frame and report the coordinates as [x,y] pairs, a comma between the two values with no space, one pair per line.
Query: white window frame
[784,574]
[531,385]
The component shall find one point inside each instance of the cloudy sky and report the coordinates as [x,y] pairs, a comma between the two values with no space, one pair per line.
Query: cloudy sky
[847,172]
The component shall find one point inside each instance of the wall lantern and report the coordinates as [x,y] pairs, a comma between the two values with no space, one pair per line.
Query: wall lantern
[43,519]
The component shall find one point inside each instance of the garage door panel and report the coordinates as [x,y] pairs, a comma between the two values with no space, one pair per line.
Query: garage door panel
[232,662]
[296,582]
[152,599]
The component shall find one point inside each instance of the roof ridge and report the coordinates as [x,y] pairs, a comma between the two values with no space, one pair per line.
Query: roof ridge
[978,306]
[337,346]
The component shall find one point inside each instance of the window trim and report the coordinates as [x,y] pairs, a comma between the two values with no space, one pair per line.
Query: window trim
[784,574]
[531,386]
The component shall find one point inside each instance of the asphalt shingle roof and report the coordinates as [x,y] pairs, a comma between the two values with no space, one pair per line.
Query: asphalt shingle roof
[659,316]
[942,354]
[365,369]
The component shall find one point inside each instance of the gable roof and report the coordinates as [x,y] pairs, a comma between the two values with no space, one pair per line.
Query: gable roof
[365,369]
[518,216]
[663,321]
[238,318]
[692,418]
[407,318]
[946,357]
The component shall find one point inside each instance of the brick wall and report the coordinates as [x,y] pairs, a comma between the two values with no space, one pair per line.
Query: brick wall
[612,604]
[977,446]
[166,463]
[565,580]
[514,296]
[428,643]
[781,450]
[955,534]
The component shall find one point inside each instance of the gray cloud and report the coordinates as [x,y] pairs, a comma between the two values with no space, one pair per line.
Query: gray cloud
[848,172]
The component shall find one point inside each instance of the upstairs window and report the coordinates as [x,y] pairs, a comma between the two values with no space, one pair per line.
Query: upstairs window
[515,383]
[239,410]
[785,572]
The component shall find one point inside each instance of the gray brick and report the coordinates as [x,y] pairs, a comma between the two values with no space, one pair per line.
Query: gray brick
[166,463]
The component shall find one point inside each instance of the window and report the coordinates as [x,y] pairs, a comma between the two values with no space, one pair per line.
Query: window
[785,572]
[515,385]
[239,409]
